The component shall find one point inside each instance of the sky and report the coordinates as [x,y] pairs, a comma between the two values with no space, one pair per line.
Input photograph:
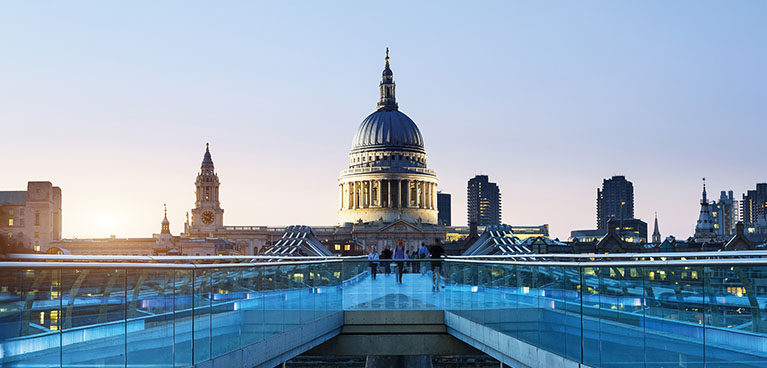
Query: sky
[114,103]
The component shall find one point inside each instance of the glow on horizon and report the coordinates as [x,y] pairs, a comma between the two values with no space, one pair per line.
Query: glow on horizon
[114,104]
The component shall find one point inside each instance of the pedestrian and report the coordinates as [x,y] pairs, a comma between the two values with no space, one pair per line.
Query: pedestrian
[386,254]
[373,257]
[436,252]
[413,255]
[423,252]
[399,255]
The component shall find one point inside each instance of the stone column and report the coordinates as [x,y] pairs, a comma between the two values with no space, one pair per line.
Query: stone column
[372,202]
[388,183]
[407,194]
[380,193]
[356,195]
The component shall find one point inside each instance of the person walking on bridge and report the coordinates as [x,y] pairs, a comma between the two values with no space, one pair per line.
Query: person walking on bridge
[399,256]
[423,252]
[436,252]
[373,257]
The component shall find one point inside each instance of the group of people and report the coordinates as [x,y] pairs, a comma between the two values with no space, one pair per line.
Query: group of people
[435,253]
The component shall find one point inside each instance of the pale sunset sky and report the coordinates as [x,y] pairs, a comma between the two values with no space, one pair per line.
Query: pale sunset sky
[114,102]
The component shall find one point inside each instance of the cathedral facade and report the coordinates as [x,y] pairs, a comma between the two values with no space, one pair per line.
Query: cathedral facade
[387,178]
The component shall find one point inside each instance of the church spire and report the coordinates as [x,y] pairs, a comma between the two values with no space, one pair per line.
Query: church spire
[704,199]
[387,101]
[207,162]
[656,232]
[165,222]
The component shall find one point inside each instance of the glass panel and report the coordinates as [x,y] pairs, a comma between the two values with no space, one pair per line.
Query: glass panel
[253,306]
[93,313]
[571,299]
[736,299]
[150,317]
[226,315]
[30,317]
[552,313]
[273,302]
[203,296]
[183,304]
[674,316]
[590,277]
[621,316]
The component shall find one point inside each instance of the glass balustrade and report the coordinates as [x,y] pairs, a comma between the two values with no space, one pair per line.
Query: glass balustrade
[155,317]
[602,314]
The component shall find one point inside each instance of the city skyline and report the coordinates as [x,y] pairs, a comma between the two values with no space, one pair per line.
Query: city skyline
[149,119]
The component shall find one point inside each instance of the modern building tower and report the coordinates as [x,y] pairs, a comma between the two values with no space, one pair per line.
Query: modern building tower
[483,201]
[615,200]
[725,213]
[443,206]
[207,214]
[387,179]
[753,207]
[705,229]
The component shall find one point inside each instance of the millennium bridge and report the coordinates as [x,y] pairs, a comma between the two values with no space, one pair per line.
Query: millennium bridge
[614,310]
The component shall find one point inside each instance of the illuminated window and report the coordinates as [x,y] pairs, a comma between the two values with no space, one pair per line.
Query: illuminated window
[338,246]
[37,234]
[37,248]
[10,222]
[347,247]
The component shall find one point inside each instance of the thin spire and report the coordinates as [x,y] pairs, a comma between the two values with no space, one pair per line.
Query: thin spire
[207,147]
[704,200]
[387,86]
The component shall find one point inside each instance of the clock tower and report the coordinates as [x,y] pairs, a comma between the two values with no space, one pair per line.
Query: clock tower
[207,214]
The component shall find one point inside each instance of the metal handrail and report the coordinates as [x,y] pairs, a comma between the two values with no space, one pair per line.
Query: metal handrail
[163,259]
[687,262]
[739,253]
[188,266]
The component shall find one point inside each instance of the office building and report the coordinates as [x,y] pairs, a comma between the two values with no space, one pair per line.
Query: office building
[615,200]
[444,208]
[483,201]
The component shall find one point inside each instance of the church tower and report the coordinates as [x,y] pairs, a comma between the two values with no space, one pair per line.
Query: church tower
[656,232]
[207,214]
[704,229]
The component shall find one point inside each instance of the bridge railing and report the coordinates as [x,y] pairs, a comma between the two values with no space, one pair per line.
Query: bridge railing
[143,314]
[613,313]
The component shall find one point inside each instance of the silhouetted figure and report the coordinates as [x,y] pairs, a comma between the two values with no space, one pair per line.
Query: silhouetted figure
[399,254]
[386,254]
[436,252]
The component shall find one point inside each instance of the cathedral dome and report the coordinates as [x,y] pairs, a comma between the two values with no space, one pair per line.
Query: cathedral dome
[388,129]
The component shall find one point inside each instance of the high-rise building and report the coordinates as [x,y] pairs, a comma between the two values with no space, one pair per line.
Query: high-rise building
[483,201]
[725,213]
[615,200]
[444,208]
[754,204]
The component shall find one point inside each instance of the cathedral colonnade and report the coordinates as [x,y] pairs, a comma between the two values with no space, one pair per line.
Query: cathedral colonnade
[387,193]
